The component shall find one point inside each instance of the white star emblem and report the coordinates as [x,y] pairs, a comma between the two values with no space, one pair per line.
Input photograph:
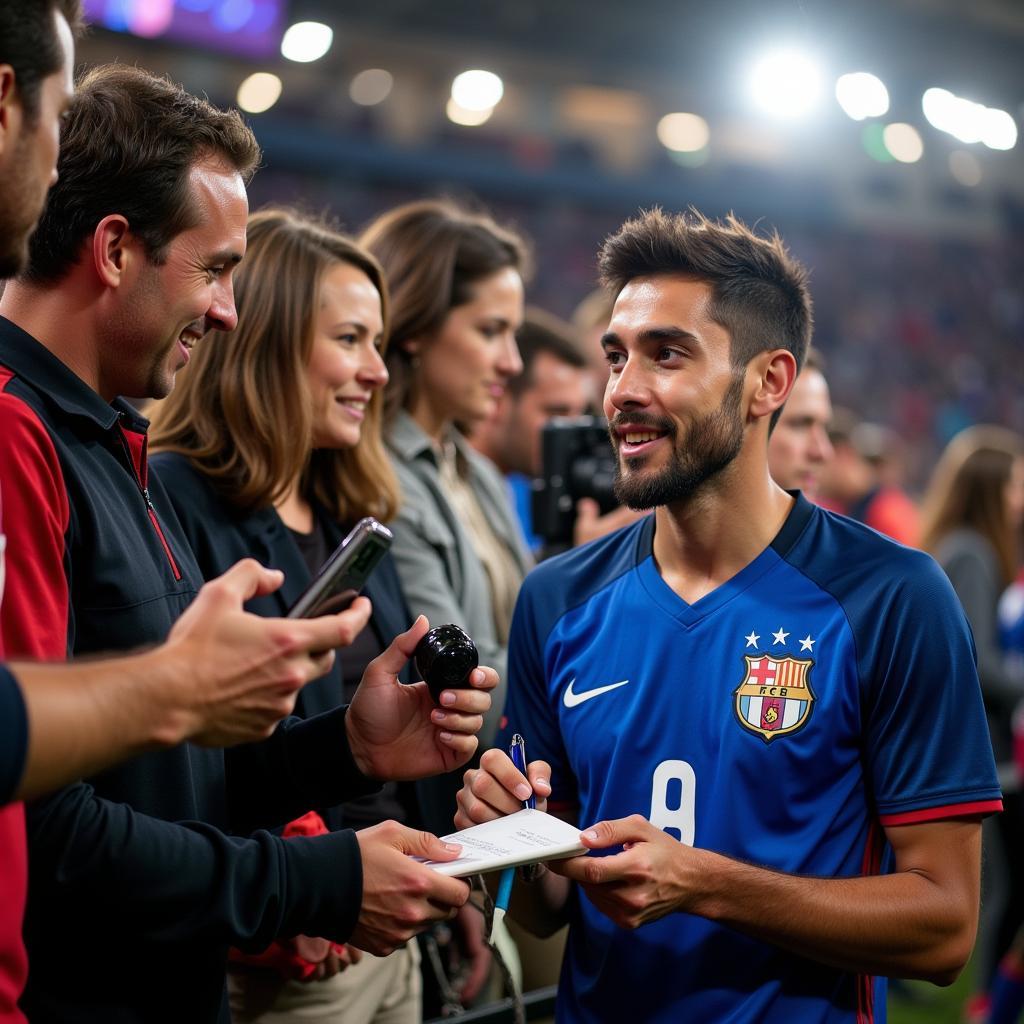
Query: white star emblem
[779,637]
[753,639]
[807,644]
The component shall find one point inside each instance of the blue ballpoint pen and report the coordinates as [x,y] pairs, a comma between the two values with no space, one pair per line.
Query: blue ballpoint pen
[517,752]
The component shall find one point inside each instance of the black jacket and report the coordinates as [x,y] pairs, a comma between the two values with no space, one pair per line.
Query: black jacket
[220,534]
[136,887]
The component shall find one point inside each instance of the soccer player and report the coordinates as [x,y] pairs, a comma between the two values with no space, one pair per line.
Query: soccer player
[799,445]
[766,717]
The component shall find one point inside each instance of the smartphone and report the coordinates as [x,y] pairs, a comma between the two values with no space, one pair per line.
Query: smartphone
[344,574]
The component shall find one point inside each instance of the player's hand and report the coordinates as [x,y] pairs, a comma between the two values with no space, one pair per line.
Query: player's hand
[590,524]
[397,732]
[401,897]
[498,788]
[233,675]
[654,875]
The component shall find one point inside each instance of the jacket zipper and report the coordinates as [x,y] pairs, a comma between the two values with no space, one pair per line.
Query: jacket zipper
[160,533]
[150,509]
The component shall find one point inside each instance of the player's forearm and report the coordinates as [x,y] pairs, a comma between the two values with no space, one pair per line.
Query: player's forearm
[901,925]
[85,716]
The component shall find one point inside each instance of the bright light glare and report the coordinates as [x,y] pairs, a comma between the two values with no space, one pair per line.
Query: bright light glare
[477,90]
[965,168]
[904,142]
[787,84]
[259,92]
[306,41]
[862,95]
[371,87]
[468,118]
[998,129]
[969,121]
[683,133]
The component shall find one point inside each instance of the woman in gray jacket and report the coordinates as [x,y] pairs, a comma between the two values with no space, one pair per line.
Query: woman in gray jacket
[456,302]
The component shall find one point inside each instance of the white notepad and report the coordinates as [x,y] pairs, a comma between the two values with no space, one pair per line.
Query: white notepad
[525,837]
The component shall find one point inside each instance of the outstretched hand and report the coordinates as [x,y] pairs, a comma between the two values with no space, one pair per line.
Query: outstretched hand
[402,897]
[238,674]
[395,730]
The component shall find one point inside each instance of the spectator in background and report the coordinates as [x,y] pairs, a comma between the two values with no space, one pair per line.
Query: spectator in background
[972,517]
[312,320]
[456,284]
[590,318]
[799,445]
[553,383]
[857,480]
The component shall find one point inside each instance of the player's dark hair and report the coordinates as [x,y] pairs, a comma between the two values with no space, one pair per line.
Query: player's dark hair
[542,331]
[30,44]
[127,146]
[759,293]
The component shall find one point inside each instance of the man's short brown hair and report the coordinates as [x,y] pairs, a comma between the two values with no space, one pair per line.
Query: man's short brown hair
[127,146]
[759,293]
[30,44]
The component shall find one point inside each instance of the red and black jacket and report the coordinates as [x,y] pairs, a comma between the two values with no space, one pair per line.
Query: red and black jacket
[137,886]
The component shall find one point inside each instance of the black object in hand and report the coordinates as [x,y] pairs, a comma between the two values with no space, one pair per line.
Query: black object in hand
[444,658]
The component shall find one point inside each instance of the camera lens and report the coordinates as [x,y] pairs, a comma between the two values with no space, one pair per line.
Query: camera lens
[445,657]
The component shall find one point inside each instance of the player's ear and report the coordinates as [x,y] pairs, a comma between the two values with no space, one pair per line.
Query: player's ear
[774,372]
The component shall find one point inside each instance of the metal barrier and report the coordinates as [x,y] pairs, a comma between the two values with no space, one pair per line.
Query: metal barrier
[538,1004]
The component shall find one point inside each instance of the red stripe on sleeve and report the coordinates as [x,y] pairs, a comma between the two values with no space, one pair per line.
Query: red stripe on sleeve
[978,809]
[34,610]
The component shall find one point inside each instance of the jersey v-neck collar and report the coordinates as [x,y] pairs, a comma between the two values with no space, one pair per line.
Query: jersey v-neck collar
[690,615]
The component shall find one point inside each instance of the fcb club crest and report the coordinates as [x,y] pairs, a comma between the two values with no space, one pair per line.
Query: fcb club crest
[774,697]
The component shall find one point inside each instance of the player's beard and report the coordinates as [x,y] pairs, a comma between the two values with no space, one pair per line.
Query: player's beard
[711,443]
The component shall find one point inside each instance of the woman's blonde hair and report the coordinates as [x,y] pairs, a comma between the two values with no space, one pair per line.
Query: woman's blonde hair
[968,490]
[433,252]
[241,412]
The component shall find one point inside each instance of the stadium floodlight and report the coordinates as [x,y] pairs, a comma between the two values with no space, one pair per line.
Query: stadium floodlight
[904,142]
[786,84]
[259,92]
[683,133]
[465,117]
[862,95]
[306,41]
[998,129]
[477,90]
[371,87]
[969,121]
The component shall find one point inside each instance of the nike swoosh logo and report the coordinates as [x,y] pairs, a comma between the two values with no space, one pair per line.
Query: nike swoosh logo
[571,700]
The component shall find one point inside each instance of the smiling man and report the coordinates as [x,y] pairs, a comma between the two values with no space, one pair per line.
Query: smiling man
[767,717]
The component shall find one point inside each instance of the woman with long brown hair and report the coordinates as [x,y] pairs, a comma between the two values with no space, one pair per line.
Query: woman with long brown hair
[270,446]
[456,283]
[971,518]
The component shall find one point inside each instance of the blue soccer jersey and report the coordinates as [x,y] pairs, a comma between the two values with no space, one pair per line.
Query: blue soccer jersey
[826,691]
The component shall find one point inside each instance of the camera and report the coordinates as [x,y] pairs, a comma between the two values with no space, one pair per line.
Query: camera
[578,462]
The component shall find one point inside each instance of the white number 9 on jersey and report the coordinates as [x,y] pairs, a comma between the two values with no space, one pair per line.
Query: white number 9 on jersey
[677,776]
